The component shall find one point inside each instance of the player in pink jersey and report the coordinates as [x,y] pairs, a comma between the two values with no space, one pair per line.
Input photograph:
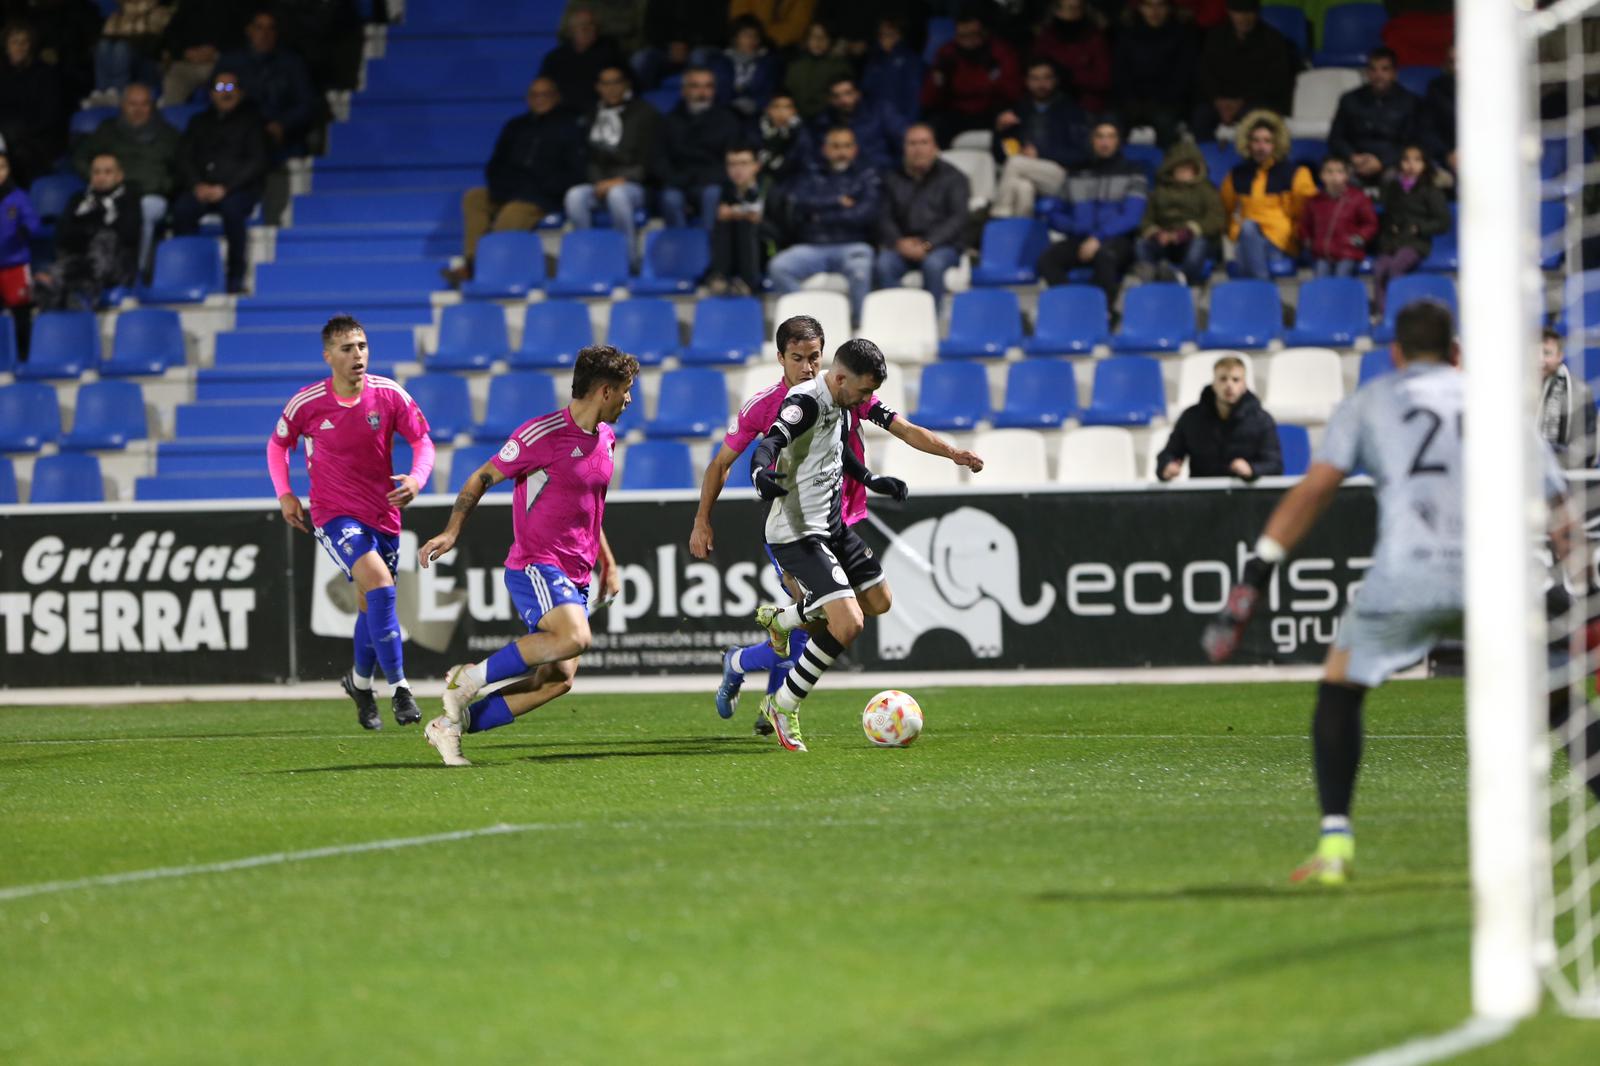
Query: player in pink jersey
[349,421]
[562,464]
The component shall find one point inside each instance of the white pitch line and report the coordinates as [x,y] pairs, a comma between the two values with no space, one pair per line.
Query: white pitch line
[605,737]
[1470,1035]
[276,858]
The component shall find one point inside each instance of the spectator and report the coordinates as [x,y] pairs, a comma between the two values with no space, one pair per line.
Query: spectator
[747,74]
[1264,197]
[279,82]
[925,202]
[1227,434]
[678,34]
[879,129]
[19,224]
[1375,121]
[812,71]
[691,160]
[622,141]
[32,108]
[739,240]
[199,32]
[65,32]
[222,160]
[537,158]
[1152,71]
[129,50]
[330,36]
[974,77]
[146,148]
[1182,222]
[786,21]
[836,209]
[97,242]
[1071,39]
[1414,212]
[1037,140]
[894,70]
[785,151]
[854,24]
[1245,65]
[1566,407]
[1436,120]
[1100,212]
[1339,223]
[576,63]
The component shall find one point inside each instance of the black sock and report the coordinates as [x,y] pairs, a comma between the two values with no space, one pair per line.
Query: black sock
[1336,745]
[1584,751]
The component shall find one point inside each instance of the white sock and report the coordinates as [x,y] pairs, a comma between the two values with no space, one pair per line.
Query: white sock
[1336,823]
[479,672]
[790,617]
[362,684]
[734,663]
[402,683]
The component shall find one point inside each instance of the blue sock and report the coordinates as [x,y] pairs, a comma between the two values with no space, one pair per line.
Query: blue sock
[507,662]
[490,713]
[797,647]
[383,625]
[366,660]
[757,657]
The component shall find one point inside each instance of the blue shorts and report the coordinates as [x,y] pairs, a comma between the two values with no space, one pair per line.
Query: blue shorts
[347,540]
[540,589]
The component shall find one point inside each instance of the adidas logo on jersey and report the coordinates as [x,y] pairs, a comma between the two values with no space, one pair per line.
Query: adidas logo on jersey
[577,452]
[327,423]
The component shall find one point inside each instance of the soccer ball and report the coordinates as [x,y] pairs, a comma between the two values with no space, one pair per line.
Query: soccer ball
[892,719]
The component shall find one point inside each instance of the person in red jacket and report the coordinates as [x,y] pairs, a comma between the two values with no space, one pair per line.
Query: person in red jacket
[974,77]
[1339,224]
[1075,43]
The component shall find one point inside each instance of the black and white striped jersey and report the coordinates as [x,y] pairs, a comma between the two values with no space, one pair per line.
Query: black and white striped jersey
[811,428]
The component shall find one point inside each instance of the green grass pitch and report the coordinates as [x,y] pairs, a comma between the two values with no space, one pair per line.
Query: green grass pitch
[1051,875]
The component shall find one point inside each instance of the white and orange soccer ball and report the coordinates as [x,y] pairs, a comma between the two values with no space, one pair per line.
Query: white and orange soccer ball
[892,719]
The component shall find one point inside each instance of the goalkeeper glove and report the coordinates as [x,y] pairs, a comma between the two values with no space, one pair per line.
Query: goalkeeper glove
[891,487]
[1222,635]
[766,483]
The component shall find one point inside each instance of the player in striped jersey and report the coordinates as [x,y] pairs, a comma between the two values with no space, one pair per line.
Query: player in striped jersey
[349,420]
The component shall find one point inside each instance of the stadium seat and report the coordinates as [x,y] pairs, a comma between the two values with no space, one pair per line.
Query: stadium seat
[645,327]
[1012,457]
[224,420]
[1332,312]
[509,265]
[632,416]
[1444,253]
[1011,247]
[830,309]
[88,120]
[230,485]
[51,193]
[401,458]
[8,343]
[727,329]
[148,340]
[979,168]
[69,477]
[1291,22]
[592,263]
[178,115]
[1096,455]
[108,415]
[445,402]
[188,269]
[1128,391]
[983,322]
[65,344]
[1552,233]
[1158,317]
[658,464]
[553,331]
[471,337]
[903,322]
[1221,157]
[8,482]
[739,472]
[1070,320]
[1244,314]
[1409,287]
[919,469]
[952,396]
[1349,32]
[975,140]
[1316,98]
[1040,393]
[1580,303]
[468,458]
[674,261]
[1304,385]
[1197,370]
[30,417]
[1375,362]
[514,398]
[1416,79]
[1295,444]
[693,402]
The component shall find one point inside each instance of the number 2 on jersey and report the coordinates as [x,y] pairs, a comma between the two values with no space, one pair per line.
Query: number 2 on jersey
[1421,463]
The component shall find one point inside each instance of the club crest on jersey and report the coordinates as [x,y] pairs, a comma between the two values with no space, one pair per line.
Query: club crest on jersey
[373,420]
[791,415]
[509,451]
[283,428]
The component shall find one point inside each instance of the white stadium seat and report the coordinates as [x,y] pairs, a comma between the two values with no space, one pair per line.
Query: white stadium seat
[979,169]
[1011,457]
[1316,98]
[978,140]
[917,469]
[1096,455]
[1303,385]
[903,322]
[831,309]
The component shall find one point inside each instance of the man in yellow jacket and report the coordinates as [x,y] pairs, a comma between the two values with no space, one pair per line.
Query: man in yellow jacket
[1264,197]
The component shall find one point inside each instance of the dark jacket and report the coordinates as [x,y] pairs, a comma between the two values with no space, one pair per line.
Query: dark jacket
[1411,219]
[537,158]
[933,208]
[280,84]
[760,75]
[1105,198]
[1339,229]
[1154,65]
[785,153]
[32,116]
[694,22]
[819,216]
[974,84]
[1379,125]
[895,79]
[1079,50]
[692,147]
[1195,205]
[219,23]
[576,72]
[1058,128]
[1259,69]
[879,129]
[1436,119]
[622,140]
[90,213]
[149,154]
[1210,444]
[808,77]
[230,150]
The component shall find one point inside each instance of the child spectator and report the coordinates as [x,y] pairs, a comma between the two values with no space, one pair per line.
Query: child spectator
[786,145]
[738,243]
[1227,434]
[1182,221]
[747,74]
[812,71]
[1414,212]
[1264,196]
[1339,223]
[18,223]
[1566,407]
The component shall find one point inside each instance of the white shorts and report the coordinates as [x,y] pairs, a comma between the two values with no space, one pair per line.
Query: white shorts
[1382,644]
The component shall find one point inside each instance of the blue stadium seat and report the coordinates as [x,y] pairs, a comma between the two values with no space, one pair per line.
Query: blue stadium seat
[1552,233]
[8,343]
[727,329]
[401,457]
[316,281]
[1277,267]
[468,459]
[1244,314]
[1011,247]
[1416,79]
[514,398]
[1127,392]
[445,402]
[1349,32]
[8,482]
[1309,152]
[471,336]
[187,457]
[940,29]
[87,121]
[1040,394]
[1220,158]
[51,193]
[508,266]
[178,115]
[983,322]
[632,417]
[1158,317]
[646,328]
[223,420]
[1291,22]
[693,403]
[552,333]
[188,269]
[108,415]
[952,396]
[1332,312]
[148,340]
[227,485]
[1148,156]
[658,464]
[1375,362]
[1444,254]
[1409,287]
[1070,320]
[592,263]
[1295,444]
[739,472]
[65,344]
[674,261]
[69,477]
[30,417]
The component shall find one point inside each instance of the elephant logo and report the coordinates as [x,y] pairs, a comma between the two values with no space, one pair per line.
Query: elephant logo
[956,572]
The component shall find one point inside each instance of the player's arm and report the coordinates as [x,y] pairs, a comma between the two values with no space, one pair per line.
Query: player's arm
[610,576]
[903,429]
[278,447]
[482,480]
[854,468]
[414,428]
[700,540]
[797,415]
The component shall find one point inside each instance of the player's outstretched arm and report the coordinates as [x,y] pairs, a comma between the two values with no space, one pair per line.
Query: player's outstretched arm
[903,429]
[700,540]
[482,480]
[294,512]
